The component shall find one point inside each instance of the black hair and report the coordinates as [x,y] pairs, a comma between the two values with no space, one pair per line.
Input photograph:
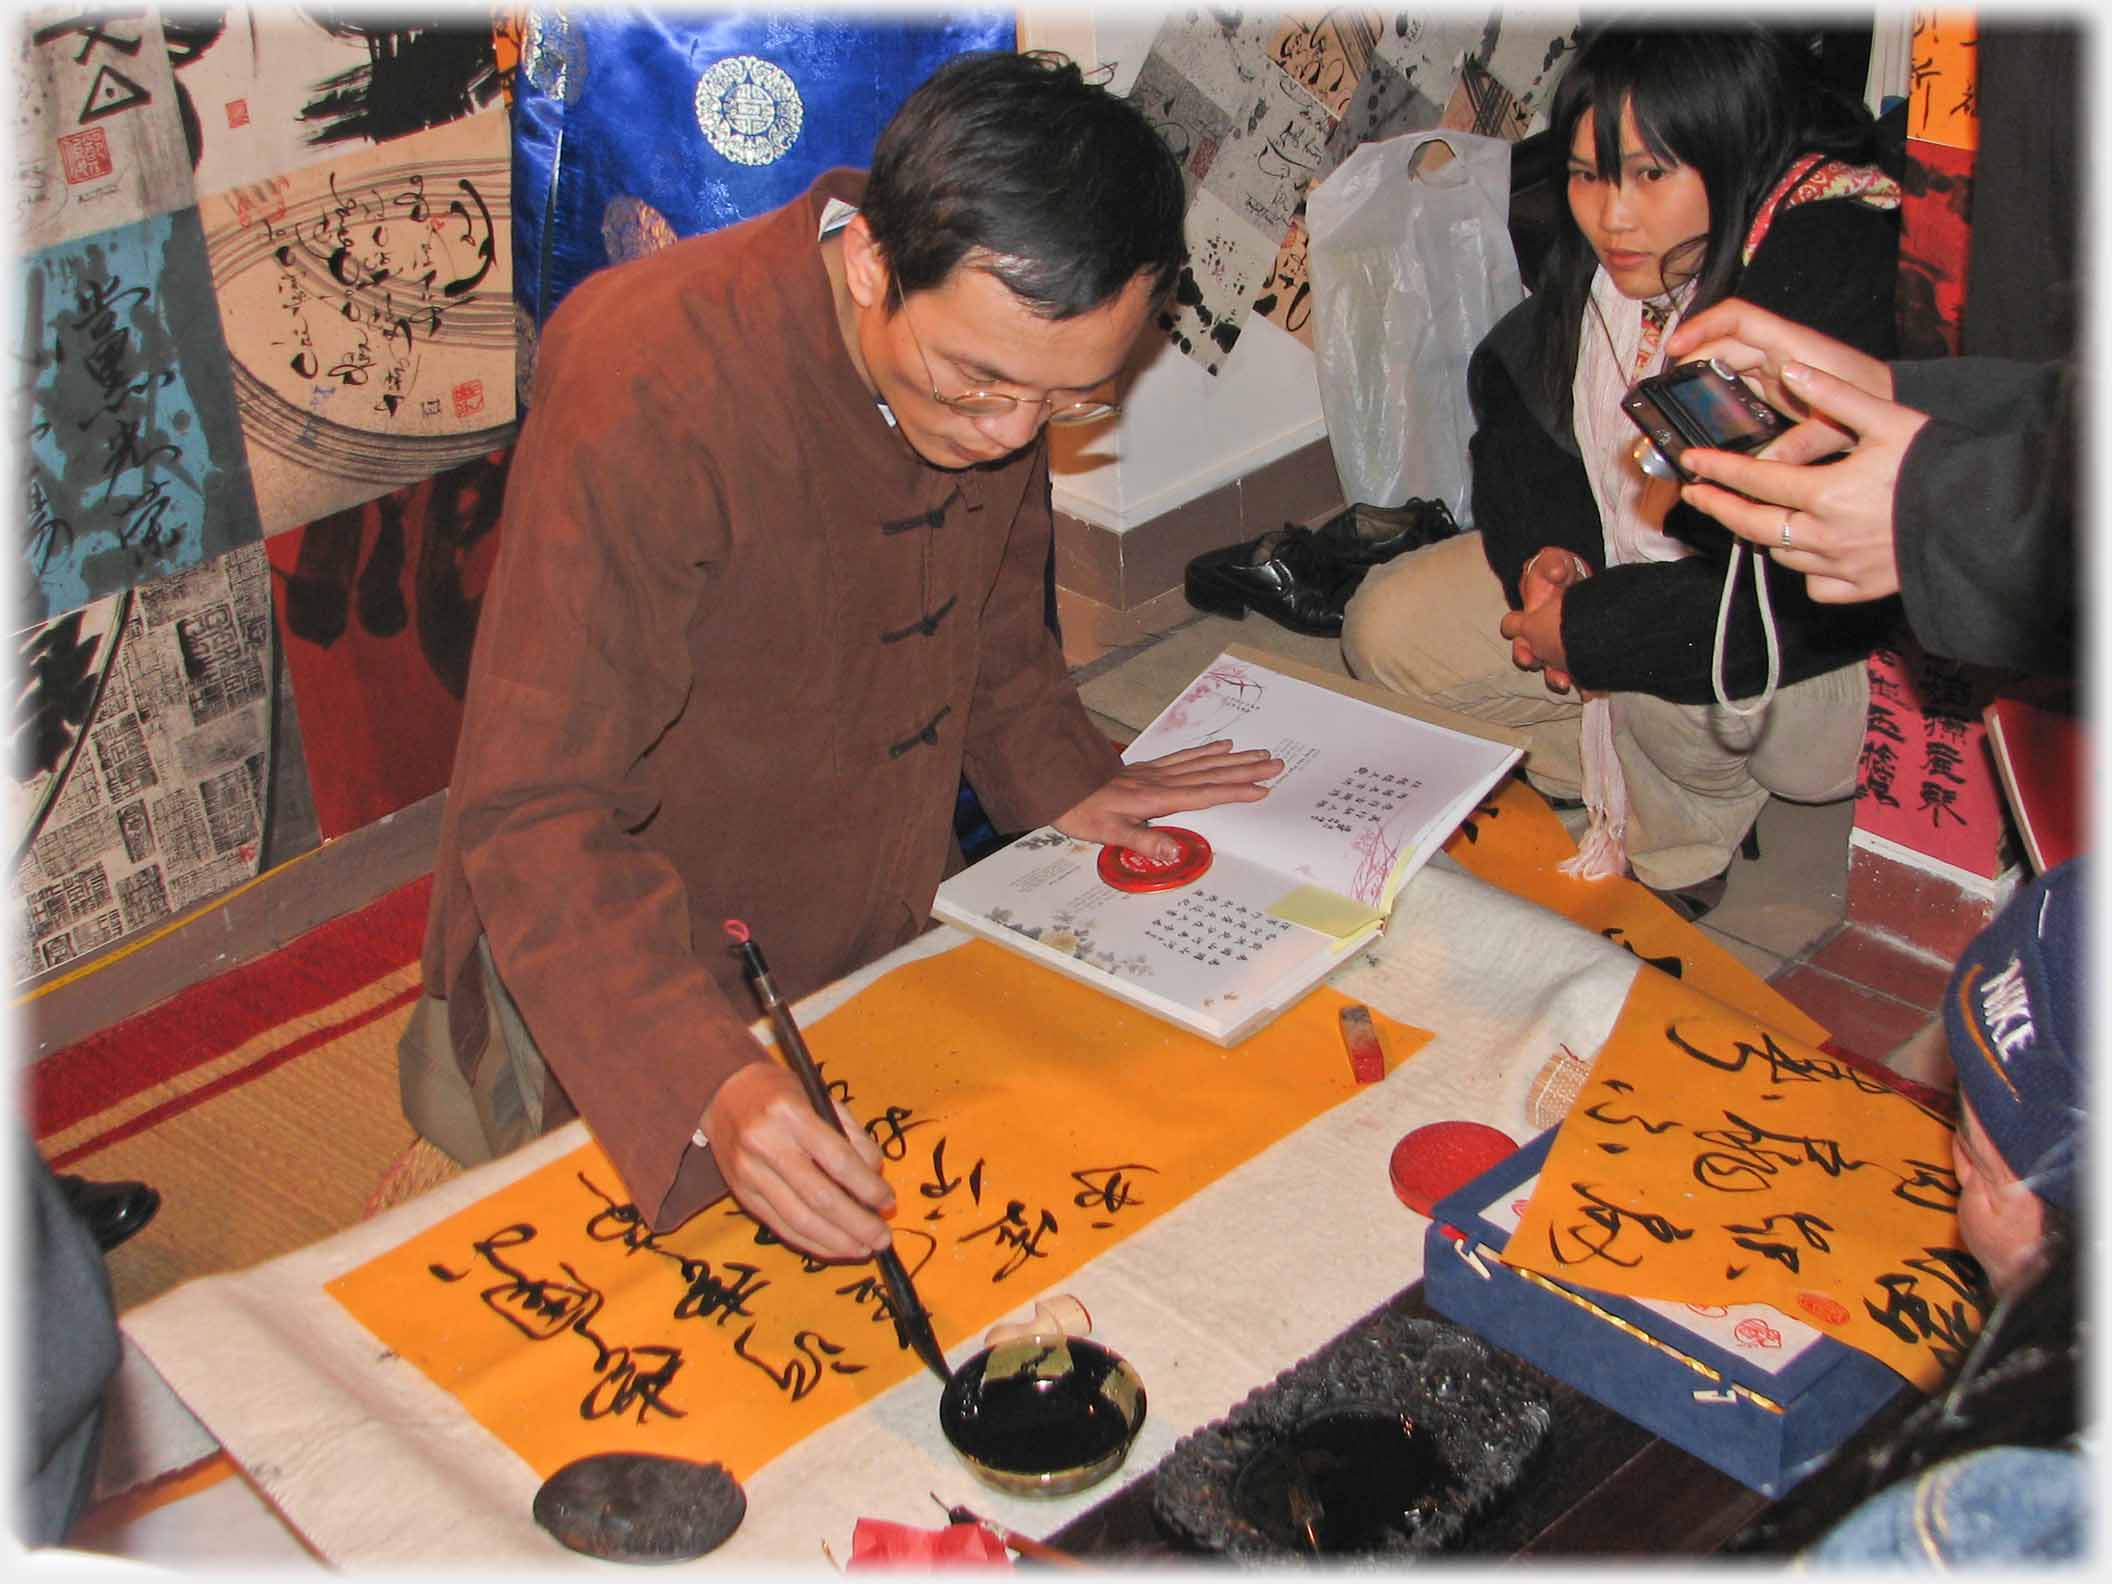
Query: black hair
[1017,165]
[1737,103]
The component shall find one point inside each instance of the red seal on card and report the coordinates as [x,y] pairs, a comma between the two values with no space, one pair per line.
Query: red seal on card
[1825,1310]
[1432,1161]
[1132,871]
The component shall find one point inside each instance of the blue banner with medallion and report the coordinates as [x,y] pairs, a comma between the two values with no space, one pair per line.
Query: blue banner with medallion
[634,129]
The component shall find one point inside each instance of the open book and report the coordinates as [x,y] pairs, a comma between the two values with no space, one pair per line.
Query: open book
[1295,883]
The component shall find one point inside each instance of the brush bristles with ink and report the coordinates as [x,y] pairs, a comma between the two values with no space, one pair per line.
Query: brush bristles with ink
[912,1320]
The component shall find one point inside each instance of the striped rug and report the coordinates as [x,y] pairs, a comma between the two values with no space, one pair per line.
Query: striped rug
[262,1103]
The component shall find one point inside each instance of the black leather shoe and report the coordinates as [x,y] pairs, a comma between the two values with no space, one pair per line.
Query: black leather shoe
[1695,902]
[113,1211]
[1368,535]
[1289,575]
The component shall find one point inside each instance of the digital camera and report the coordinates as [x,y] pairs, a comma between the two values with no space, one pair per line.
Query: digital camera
[1697,404]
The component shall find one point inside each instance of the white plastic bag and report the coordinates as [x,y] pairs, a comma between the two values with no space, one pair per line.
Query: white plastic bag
[1411,262]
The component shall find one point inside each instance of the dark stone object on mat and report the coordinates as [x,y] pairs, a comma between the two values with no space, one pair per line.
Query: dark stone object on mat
[639,1507]
[113,1210]
[1484,1412]
[1302,578]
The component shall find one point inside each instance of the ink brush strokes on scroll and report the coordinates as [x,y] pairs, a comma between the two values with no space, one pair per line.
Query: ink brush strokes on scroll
[912,1320]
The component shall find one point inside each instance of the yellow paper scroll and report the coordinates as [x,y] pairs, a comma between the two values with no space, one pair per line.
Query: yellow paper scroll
[1943,79]
[1710,1160]
[1514,841]
[1029,1123]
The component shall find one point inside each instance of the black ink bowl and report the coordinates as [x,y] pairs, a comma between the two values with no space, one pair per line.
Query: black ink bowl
[1042,1418]
[1345,1480]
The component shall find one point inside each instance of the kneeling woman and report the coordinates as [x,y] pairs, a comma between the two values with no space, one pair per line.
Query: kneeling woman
[1584,607]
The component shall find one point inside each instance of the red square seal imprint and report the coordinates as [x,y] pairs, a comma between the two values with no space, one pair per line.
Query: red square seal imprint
[238,112]
[469,398]
[85,155]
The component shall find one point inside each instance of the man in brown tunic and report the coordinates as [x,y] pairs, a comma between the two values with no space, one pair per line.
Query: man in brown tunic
[770,580]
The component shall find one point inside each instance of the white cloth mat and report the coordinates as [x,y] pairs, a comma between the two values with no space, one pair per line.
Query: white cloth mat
[377,1468]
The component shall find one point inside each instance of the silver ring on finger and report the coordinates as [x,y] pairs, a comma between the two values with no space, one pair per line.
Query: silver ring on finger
[1786,545]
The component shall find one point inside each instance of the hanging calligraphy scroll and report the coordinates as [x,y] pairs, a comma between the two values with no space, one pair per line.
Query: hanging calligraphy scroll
[99,136]
[1710,1160]
[268,90]
[161,770]
[377,608]
[369,306]
[134,467]
[1259,107]
[1029,1123]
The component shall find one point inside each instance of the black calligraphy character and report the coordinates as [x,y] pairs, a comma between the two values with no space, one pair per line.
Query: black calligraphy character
[1104,1187]
[1946,1320]
[941,1186]
[1012,1232]
[1487,811]
[1782,1067]
[1810,1228]
[765,1238]
[1610,1220]
[1941,801]
[1601,1111]
[710,1296]
[461,285]
[61,684]
[869,1291]
[538,1308]
[617,1221]
[1933,1185]
[1665,965]
[1741,1163]
[802,1373]
[623,1385]
[889,1128]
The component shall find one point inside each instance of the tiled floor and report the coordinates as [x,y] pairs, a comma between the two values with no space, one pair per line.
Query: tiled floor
[1786,913]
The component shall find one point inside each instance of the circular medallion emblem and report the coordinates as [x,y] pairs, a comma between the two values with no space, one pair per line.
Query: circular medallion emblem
[631,228]
[554,56]
[749,110]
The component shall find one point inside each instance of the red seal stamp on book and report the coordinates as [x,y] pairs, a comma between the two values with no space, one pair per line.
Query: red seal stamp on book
[1132,871]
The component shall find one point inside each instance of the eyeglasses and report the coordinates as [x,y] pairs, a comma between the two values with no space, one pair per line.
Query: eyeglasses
[995,404]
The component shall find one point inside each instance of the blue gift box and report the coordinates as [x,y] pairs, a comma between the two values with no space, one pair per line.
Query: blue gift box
[1766,1412]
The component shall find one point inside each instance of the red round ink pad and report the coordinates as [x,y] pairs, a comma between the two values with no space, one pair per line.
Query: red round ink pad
[1132,871]
[1434,1160]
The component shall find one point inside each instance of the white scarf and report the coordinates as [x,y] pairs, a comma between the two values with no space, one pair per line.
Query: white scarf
[1613,352]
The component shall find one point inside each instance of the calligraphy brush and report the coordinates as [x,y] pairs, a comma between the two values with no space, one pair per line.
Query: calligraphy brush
[1031,1549]
[912,1320]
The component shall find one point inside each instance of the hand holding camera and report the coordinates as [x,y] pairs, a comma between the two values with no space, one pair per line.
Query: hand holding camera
[1833,523]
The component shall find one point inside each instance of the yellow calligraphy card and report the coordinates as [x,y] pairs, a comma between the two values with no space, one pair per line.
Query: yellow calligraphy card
[1710,1160]
[1029,1123]
[1943,79]
[1514,841]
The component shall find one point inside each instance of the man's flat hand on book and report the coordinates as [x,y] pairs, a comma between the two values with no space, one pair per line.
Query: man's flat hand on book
[1119,814]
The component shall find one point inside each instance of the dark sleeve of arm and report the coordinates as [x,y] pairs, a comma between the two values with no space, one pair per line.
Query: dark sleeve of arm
[1032,752]
[1984,512]
[1651,628]
[579,667]
[1528,491]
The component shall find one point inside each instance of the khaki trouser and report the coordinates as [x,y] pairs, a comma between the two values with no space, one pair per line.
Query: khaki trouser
[509,1100]
[1425,624]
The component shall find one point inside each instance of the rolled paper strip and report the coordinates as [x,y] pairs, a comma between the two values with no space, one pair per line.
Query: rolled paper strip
[1058,1316]
[1067,1312]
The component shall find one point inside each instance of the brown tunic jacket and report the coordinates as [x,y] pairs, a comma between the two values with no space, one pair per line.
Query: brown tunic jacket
[739,646]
